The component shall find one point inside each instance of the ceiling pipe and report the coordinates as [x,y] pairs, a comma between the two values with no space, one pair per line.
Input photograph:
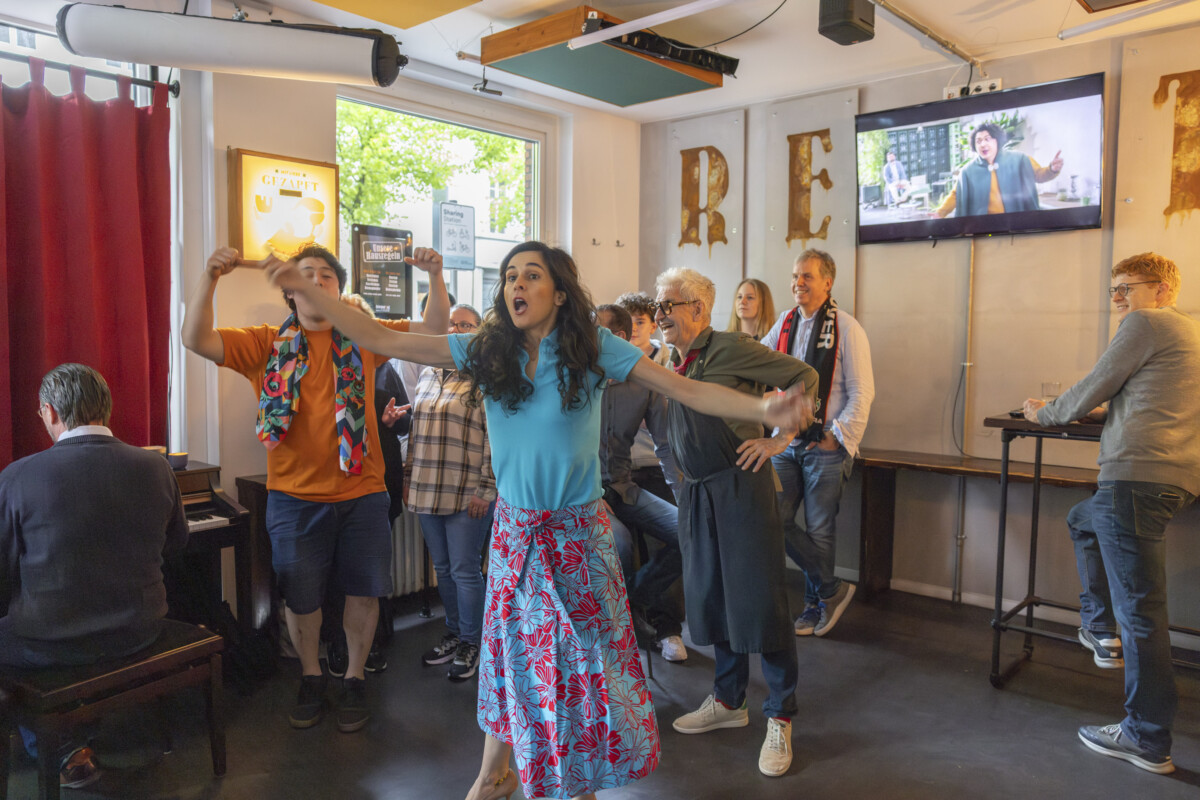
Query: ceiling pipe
[1116,19]
[915,28]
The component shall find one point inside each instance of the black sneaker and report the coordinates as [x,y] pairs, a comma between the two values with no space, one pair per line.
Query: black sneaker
[466,661]
[1110,740]
[337,657]
[443,652]
[310,702]
[1106,650]
[352,711]
[376,659]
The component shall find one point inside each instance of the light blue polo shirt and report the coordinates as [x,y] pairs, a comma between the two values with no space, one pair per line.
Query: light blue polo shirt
[544,457]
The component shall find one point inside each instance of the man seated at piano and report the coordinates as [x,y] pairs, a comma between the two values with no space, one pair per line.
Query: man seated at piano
[84,529]
[327,505]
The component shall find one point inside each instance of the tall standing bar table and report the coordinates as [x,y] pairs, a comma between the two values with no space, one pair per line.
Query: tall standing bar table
[1011,428]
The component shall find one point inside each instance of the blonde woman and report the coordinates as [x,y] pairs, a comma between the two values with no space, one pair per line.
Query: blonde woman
[753,309]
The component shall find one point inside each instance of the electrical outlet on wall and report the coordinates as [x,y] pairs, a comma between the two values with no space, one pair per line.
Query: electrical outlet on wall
[967,89]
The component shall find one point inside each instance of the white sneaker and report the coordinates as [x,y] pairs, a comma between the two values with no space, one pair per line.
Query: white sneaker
[775,758]
[673,649]
[710,716]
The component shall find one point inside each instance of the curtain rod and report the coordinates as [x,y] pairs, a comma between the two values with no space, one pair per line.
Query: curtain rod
[173,86]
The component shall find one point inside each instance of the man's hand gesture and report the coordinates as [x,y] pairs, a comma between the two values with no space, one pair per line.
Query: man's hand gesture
[425,259]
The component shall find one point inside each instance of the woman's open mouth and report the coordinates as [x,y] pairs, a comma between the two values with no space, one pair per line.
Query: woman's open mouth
[519,305]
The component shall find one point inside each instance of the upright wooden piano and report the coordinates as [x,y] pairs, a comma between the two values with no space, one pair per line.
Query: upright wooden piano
[214,523]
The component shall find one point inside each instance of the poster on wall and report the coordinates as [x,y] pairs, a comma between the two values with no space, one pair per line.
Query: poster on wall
[454,235]
[281,205]
[380,274]
[705,201]
[811,190]
[1158,197]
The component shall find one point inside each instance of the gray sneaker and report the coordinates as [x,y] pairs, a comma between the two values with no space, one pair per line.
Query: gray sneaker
[710,716]
[806,623]
[1110,740]
[832,608]
[1106,651]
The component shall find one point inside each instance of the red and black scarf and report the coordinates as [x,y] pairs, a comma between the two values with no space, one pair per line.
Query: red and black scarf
[821,355]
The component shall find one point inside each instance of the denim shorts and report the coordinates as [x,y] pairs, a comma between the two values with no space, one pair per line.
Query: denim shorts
[346,543]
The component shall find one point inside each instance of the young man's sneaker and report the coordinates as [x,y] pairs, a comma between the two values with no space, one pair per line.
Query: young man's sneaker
[78,769]
[1106,652]
[337,657]
[673,649]
[806,623]
[466,661]
[833,607]
[310,702]
[711,715]
[775,757]
[443,651]
[352,711]
[376,659]
[1110,740]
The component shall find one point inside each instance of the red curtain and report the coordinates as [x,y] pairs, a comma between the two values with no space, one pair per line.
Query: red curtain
[85,262]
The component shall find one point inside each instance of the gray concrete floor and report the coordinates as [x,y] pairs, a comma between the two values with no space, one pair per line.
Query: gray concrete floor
[895,703]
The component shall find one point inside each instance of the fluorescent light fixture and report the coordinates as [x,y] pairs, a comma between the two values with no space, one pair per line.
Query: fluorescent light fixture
[671,14]
[266,49]
[1117,19]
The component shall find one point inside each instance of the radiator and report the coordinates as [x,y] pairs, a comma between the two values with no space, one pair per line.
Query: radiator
[408,556]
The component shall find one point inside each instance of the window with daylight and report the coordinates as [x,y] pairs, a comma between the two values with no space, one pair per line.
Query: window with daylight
[397,168]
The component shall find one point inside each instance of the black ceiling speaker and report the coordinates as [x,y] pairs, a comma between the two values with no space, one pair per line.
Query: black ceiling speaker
[847,21]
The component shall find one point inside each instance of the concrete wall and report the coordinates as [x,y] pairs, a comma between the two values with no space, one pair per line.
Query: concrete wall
[1040,313]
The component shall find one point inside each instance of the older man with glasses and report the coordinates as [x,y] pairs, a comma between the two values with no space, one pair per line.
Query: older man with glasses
[1149,470]
[730,535]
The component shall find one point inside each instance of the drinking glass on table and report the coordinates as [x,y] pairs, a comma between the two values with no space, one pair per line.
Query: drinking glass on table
[1050,390]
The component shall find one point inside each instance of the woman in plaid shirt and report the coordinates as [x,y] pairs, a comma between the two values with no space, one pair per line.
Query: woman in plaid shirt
[452,488]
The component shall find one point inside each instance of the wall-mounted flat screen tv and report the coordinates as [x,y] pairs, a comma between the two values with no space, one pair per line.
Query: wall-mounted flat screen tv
[1017,161]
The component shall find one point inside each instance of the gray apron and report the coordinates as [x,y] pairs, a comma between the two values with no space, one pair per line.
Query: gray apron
[729,535]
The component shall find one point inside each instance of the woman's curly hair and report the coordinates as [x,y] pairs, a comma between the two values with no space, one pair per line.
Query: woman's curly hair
[493,352]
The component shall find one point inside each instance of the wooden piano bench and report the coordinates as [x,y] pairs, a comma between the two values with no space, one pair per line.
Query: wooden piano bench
[51,702]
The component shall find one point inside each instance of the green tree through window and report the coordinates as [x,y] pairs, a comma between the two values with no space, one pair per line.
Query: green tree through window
[388,158]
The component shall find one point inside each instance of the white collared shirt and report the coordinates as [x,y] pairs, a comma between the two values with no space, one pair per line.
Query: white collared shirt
[85,430]
[853,381]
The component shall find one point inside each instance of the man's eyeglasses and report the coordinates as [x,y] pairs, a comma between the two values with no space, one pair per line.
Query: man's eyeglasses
[464,326]
[667,306]
[1123,288]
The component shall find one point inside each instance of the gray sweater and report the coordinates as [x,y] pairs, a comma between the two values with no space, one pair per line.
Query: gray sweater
[1150,375]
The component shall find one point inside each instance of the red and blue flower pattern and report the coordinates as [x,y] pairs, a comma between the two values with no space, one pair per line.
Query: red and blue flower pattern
[559,675]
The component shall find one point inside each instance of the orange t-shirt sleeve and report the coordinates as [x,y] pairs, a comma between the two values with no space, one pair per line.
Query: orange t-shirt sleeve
[247,349]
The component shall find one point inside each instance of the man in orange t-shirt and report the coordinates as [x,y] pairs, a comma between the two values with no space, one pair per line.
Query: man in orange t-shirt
[326,502]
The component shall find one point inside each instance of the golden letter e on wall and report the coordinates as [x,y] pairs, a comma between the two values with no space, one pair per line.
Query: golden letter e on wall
[800,180]
[717,185]
[1185,155]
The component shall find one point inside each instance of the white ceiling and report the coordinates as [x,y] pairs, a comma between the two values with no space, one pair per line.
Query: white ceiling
[783,57]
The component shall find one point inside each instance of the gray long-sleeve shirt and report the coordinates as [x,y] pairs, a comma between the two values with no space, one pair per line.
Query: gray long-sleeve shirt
[1150,375]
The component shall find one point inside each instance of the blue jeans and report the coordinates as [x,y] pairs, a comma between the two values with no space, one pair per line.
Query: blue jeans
[455,543]
[656,518]
[1120,548]
[815,478]
[780,670]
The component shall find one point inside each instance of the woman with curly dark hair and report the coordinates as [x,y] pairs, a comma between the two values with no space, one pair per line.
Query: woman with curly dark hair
[560,684]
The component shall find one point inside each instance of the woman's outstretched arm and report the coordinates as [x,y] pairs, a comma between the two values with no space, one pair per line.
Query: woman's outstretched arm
[431,350]
[788,410]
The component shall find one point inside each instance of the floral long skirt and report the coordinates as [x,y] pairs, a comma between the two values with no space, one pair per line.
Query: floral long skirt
[560,678]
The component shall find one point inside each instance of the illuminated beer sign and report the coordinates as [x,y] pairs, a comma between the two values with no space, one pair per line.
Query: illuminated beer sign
[281,205]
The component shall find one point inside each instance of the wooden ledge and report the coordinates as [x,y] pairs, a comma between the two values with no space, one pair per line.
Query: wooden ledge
[1018,471]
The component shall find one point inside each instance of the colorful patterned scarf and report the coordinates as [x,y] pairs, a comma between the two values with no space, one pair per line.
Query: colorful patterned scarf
[280,396]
